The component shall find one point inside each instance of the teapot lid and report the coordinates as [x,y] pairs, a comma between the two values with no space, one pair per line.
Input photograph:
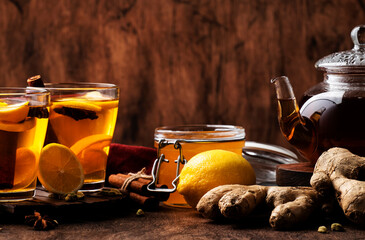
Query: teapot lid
[347,61]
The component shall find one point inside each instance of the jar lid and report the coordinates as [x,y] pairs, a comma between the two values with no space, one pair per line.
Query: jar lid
[347,61]
[200,133]
[264,159]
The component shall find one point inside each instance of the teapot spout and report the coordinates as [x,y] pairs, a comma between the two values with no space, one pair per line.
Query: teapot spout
[298,131]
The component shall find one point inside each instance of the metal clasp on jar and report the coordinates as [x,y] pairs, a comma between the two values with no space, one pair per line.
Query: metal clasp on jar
[157,164]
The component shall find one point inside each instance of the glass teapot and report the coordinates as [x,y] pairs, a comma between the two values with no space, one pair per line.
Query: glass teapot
[332,113]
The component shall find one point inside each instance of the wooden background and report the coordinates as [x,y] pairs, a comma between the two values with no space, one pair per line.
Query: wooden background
[178,61]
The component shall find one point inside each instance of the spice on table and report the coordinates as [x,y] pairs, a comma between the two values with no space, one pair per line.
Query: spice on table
[135,187]
[140,213]
[111,192]
[337,227]
[40,223]
[138,186]
[147,203]
[322,229]
[69,197]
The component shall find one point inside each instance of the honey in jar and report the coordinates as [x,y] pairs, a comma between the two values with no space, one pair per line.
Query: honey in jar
[192,139]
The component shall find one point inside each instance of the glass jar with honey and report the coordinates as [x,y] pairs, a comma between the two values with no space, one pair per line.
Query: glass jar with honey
[177,144]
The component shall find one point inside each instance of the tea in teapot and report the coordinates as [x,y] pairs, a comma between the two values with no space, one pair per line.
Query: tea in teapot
[332,113]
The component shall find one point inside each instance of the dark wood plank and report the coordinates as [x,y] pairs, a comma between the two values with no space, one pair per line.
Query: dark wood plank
[170,223]
[296,174]
[42,202]
[178,62]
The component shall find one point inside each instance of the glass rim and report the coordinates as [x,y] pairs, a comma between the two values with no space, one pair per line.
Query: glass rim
[212,132]
[72,86]
[23,91]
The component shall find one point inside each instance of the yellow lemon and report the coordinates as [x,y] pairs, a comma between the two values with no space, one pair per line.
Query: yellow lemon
[210,169]
[59,169]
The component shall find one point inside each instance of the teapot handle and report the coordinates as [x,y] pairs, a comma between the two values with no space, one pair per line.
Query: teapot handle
[358,37]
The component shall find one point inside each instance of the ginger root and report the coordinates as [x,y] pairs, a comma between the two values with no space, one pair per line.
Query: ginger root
[339,170]
[292,205]
[241,201]
[208,207]
[337,173]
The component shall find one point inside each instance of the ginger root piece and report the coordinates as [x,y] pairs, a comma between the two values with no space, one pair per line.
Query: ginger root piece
[292,205]
[208,204]
[340,170]
[240,202]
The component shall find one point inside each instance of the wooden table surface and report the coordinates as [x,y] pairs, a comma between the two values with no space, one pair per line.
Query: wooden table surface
[165,223]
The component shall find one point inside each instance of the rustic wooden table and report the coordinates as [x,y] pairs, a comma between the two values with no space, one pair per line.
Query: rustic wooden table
[165,223]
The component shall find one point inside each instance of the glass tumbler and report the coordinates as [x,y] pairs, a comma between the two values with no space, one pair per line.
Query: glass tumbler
[23,124]
[187,141]
[83,117]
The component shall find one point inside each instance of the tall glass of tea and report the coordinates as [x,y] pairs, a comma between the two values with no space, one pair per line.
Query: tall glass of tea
[82,118]
[23,124]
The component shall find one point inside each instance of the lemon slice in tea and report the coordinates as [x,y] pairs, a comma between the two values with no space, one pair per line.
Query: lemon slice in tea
[101,100]
[13,113]
[108,104]
[97,141]
[76,103]
[59,169]
[93,160]
[25,167]
[18,127]
[90,152]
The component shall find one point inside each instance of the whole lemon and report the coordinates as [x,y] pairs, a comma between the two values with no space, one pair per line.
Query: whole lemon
[210,169]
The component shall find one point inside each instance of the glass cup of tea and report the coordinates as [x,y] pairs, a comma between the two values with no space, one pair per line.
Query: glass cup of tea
[180,143]
[82,118]
[23,124]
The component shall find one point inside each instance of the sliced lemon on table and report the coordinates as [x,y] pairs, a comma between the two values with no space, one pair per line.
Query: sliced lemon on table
[60,171]
[25,167]
[13,113]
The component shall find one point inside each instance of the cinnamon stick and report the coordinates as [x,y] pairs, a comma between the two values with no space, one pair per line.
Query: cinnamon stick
[138,186]
[35,81]
[147,203]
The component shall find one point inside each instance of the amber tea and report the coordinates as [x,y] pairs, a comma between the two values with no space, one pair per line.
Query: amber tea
[339,122]
[23,123]
[83,117]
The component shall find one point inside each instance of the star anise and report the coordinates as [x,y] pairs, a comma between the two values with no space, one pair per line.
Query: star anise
[75,113]
[39,112]
[40,223]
